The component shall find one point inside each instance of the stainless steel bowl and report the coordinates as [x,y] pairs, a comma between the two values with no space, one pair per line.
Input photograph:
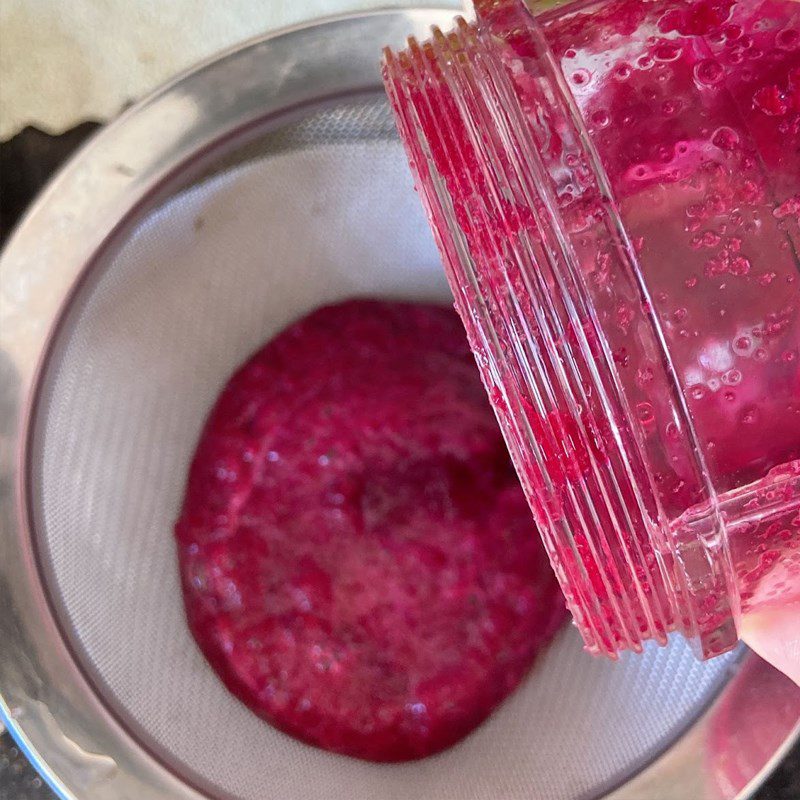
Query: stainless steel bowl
[59,704]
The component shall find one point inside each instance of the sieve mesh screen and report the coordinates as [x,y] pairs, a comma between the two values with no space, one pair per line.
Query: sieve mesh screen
[318,211]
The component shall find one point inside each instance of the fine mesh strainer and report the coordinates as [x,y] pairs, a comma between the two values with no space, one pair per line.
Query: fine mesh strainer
[256,188]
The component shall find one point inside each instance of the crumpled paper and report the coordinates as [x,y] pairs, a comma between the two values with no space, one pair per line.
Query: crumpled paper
[65,62]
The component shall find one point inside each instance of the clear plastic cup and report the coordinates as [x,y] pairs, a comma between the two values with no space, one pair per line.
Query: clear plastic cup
[615,190]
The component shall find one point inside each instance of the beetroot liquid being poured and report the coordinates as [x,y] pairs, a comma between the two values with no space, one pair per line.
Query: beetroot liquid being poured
[615,190]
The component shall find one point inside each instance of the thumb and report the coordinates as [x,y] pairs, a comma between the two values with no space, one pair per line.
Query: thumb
[774,634]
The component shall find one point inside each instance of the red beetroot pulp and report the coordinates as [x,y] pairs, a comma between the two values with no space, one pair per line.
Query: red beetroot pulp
[359,563]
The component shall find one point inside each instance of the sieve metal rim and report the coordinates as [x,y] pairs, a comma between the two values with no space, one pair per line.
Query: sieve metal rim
[48,702]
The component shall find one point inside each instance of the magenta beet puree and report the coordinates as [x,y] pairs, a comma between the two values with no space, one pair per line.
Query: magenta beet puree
[615,189]
[359,563]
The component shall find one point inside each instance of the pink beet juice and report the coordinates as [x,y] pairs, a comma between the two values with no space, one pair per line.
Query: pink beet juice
[615,190]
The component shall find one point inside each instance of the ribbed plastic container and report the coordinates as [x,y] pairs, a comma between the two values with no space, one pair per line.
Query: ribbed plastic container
[615,190]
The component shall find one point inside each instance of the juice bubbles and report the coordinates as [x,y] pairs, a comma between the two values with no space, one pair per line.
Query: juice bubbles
[615,189]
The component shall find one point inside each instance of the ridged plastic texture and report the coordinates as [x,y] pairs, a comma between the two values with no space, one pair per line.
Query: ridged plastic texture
[530,323]
[569,169]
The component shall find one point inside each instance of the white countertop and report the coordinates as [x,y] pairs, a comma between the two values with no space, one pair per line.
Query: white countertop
[65,61]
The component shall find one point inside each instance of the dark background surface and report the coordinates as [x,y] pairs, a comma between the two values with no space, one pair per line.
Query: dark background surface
[26,163]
